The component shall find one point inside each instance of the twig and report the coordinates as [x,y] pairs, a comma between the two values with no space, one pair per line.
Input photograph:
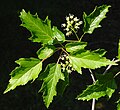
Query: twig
[117,74]
[110,65]
[81,37]
[93,78]
[93,104]
[93,101]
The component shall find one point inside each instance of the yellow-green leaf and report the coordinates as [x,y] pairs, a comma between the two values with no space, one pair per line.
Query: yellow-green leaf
[29,69]
[41,30]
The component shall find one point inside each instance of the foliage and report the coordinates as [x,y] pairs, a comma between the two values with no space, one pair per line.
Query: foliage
[73,56]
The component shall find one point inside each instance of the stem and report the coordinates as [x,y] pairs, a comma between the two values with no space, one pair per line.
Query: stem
[71,40]
[59,57]
[117,74]
[81,37]
[61,45]
[93,101]
[93,104]
[64,51]
[75,34]
[110,65]
[93,78]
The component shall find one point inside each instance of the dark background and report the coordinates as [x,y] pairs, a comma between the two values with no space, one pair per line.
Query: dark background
[14,44]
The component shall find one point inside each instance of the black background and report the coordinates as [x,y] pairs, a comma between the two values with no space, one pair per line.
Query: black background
[14,44]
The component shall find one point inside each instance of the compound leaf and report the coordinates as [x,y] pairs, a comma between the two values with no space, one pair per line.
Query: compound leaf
[87,59]
[41,30]
[75,46]
[29,69]
[100,88]
[92,20]
[50,76]
[45,51]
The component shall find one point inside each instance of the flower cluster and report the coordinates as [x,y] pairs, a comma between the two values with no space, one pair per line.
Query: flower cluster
[65,64]
[72,24]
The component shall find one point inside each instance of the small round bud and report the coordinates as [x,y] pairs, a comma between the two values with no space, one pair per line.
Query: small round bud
[67,58]
[63,25]
[62,58]
[66,62]
[69,71]
[63,69]
[76,19]
[71,16]
[67,18]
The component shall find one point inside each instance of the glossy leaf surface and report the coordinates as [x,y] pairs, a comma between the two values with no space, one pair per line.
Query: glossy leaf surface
[29,69]
[93,20]
[45,51]
[41,30]
[51,77]
[87,59]
[102,87]
[58,34]
[75,46]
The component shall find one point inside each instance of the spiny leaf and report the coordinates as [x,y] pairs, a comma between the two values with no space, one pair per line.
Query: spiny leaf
[99,89]
[58,34]
[45,51]
[29,69]
[50,76]
[92,21]
[87,59]
[41,30]
[75,46]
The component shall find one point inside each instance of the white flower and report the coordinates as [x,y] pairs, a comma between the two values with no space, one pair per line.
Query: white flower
[63,25]
[68,33]
[76,19]
[80,22]
[76,27]
[67,29]
[67,18]
[71,16]
[72,24]
[69,71]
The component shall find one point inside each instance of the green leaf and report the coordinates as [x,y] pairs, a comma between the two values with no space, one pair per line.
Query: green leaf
[75,46]
[58,34]
[87,59]
[118,50]
[92,20]
[101,52]
[63,84]
[29,69]
[41,30]
[118,104]
[104,87]
[45,51]
[50,76]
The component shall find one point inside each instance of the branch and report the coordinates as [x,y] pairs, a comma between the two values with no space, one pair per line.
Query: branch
[110,65]
[93,101]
